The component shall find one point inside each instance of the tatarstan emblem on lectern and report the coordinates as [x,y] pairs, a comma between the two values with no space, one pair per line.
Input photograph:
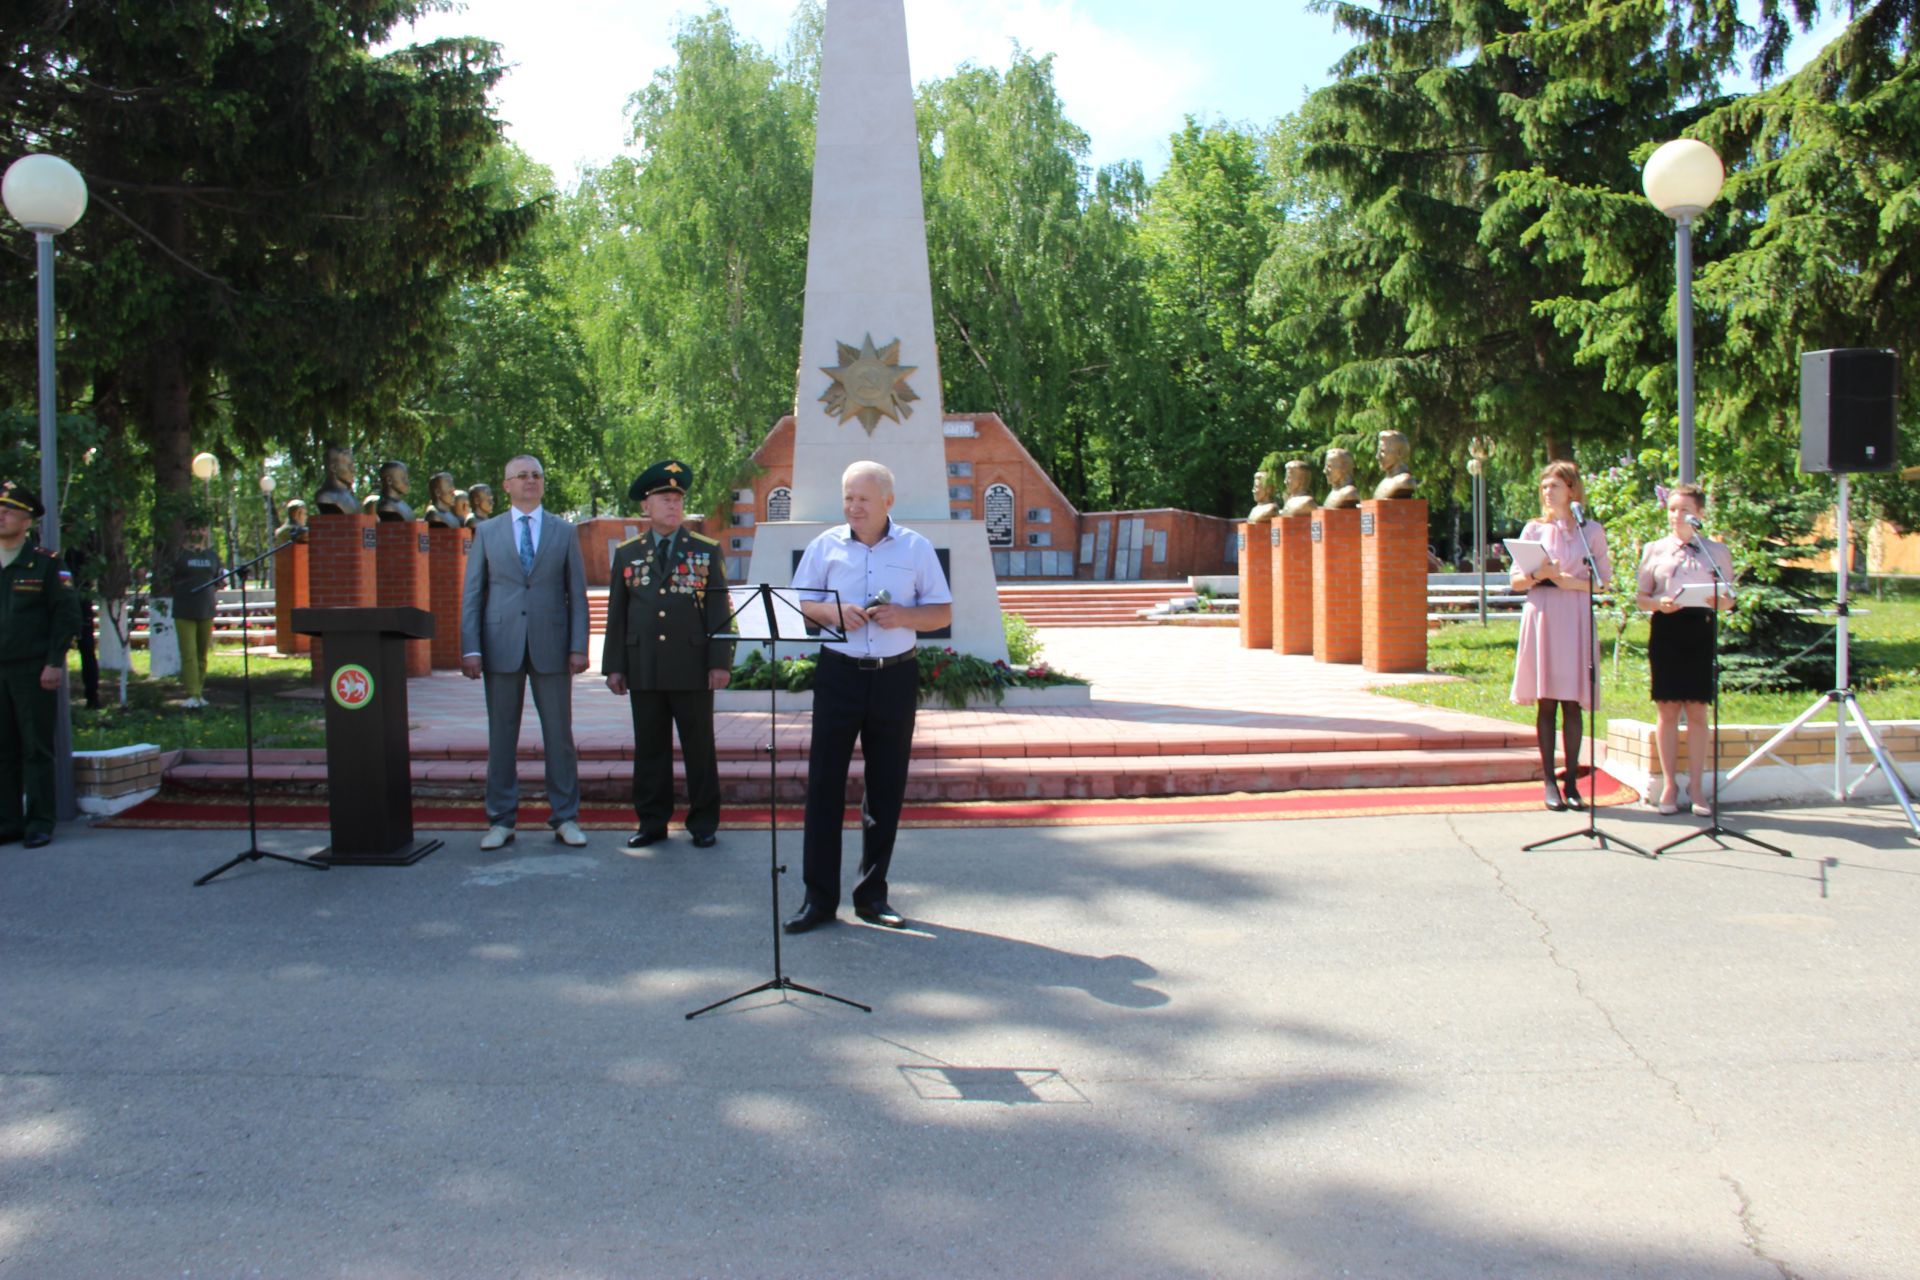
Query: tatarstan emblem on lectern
[353,686]
[869,384]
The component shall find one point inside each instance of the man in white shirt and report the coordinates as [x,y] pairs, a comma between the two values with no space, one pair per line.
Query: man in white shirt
[523,620]
[879,583]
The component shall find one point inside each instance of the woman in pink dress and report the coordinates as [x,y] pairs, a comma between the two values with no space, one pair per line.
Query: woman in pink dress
[1557,639]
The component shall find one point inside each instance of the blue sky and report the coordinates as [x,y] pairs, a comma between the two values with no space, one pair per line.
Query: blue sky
[1128,71]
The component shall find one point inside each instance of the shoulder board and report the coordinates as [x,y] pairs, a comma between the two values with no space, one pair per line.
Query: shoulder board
[701,537]
[630,541]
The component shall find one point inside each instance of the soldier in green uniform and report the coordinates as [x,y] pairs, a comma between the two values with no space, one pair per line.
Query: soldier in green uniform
[39,615]
[667,594]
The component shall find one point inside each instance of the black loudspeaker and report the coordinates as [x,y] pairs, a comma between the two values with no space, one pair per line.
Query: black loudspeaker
[1847,399]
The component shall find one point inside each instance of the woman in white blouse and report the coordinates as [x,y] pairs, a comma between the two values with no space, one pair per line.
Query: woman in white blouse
[1680,647]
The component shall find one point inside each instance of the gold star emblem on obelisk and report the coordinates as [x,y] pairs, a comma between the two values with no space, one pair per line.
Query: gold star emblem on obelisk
[869,384]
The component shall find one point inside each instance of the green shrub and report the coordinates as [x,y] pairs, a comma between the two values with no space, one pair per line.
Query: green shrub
[1023,643]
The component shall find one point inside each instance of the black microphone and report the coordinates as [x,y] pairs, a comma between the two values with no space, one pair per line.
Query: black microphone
[1580,515]
[880,597]
[1695,522]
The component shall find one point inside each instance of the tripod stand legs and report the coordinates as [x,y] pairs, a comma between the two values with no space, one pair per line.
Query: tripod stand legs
[782,985]
[254,855]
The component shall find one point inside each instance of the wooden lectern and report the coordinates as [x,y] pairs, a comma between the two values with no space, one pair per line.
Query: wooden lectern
[369,782]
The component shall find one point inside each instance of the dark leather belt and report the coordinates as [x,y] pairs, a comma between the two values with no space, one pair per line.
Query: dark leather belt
[869,664]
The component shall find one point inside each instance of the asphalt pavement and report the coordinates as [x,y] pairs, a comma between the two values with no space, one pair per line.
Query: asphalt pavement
[1390,1046]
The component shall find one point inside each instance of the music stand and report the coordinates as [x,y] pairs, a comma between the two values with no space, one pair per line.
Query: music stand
[253,851]
[1716,830]
[1592,830]
[777,618]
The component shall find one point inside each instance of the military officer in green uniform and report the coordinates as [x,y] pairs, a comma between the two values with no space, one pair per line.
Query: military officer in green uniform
[667,594]
[39,615]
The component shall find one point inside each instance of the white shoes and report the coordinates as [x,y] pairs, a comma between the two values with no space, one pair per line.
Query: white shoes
[195,702]
[496,838]
[569,834]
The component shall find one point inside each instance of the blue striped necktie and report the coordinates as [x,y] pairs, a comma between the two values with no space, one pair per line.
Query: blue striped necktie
[526,544]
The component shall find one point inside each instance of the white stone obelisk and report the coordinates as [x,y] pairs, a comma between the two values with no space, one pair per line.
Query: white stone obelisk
[869,377]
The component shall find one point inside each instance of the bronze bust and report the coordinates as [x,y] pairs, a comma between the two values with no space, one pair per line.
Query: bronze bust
[481,496]
[336,492]
[1263,509]
[443,513]
[1299,490]
[296,526]
[462,508]
[1341,492]
[394,483]
[1395,480]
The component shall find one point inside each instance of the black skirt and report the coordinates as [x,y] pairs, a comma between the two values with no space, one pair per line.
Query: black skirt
[1680,655]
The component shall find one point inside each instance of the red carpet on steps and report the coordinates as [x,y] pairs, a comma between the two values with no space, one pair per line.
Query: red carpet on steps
[176,807]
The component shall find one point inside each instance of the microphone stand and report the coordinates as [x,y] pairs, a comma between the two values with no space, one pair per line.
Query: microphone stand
[253,852]
[1716,830]
[1592,830]
[780,981]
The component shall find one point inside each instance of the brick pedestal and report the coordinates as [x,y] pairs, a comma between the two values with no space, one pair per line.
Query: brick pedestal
[1393,585]
[289,593]
[341,569]
[402,580]
[447,578]
[1256,587]
[1292,543]
[1336,585]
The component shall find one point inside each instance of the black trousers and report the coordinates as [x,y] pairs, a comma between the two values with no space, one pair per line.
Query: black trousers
[657,714]
[26,749]
[876,709]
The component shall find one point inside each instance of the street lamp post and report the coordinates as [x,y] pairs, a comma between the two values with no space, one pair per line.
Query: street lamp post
[1477,468]
[46,195]
[1682,178]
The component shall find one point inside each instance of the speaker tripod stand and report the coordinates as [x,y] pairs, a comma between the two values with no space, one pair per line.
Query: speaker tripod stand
[1841,698]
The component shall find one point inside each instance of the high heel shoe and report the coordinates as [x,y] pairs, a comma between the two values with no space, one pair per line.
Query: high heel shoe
[1573,797]
[1552,798]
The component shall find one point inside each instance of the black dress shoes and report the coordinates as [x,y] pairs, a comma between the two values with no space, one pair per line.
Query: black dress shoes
[37,840]
[641,839]
[706,842]
[807,917]
[1553,800]
[883,915]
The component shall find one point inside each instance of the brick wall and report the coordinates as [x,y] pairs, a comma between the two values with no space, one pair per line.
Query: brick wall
[340,568]
[401,559]
[1047,532]
[446,585]
[1256,586]
[289,593]
[1336,585]
[1292,552]
[1393,585]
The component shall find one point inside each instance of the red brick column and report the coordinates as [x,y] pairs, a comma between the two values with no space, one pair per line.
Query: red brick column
[1256,587]
[1292,541]
[289,593]
[447,578]
[402,580]
[340,568]
[1393,585]
[1336,585]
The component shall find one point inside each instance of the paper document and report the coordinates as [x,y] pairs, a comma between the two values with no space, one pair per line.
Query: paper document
[1528,556]
[1696,595]
[750,615]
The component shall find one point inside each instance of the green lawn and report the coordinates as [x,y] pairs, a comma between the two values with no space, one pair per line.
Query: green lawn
[1884,630]
[153,712]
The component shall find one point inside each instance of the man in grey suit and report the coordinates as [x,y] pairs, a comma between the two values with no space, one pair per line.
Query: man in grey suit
[523,617]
